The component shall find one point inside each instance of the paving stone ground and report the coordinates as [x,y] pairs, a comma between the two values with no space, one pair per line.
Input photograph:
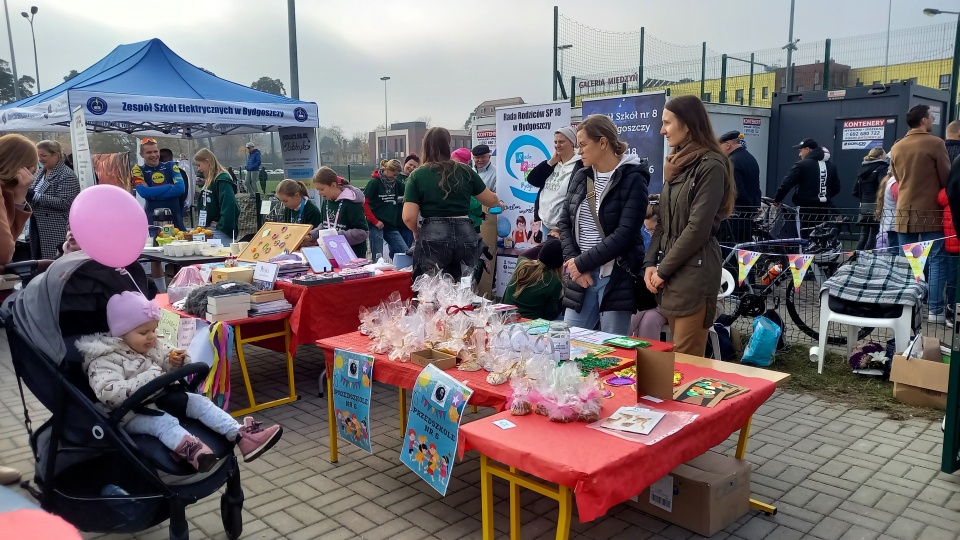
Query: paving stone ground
[834,474]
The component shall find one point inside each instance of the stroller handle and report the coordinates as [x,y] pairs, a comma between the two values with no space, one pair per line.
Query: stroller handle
[198,370]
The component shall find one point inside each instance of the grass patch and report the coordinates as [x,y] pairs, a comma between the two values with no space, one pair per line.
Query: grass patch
[838,384]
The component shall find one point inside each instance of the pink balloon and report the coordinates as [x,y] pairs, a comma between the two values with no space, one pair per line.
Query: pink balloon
[109,225]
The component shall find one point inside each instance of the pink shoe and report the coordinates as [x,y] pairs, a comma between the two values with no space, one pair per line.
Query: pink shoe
[196,453]
[255,440]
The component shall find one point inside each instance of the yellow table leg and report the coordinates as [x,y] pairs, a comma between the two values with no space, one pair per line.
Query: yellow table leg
[486,499]
[474,408]
[514,507]
[334,456]
[403,412]
[286,347]
[565,518]
[768,509]
[243,368]
[742,441]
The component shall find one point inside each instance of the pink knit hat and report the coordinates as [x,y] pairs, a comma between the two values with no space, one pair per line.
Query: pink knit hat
[462,155]
[128,310]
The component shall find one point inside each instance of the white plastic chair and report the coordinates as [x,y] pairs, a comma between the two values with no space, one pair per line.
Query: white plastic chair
[900,325]
[727,285]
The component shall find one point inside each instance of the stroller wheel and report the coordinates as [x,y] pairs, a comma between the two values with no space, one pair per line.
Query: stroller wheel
[232,518]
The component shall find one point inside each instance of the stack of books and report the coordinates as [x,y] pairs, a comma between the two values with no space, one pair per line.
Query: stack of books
[268,303]
[227,307]
[291,268]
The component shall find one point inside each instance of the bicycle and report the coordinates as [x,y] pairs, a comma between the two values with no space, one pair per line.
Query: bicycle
[771,270]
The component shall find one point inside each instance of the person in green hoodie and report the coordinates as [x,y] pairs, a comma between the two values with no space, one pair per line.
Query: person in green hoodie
[383,204]
[297,206]
[342,209]
[217,205]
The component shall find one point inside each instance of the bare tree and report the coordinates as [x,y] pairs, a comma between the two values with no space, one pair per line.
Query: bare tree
[426,120]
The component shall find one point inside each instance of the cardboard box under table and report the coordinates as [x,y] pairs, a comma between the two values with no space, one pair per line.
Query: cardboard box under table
[604,470]
[703,495]
[404,375]
[252,330]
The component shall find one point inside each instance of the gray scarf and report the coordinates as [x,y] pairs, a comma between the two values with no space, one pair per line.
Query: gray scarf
[386,182]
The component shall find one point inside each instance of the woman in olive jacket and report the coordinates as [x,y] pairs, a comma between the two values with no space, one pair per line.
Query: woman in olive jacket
[683,264]
[600,227]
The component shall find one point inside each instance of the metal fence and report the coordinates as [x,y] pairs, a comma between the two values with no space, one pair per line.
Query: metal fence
[590,62]
[769,283]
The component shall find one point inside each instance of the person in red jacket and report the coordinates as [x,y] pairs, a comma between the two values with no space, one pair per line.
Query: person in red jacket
[952,246]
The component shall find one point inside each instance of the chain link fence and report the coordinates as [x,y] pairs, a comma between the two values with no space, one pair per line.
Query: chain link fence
[591,62]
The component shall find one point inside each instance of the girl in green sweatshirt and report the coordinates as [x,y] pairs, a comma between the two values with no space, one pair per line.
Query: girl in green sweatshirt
[342,209]
[297,206]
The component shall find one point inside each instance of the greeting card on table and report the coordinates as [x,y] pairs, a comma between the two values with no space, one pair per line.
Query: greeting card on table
[340,249]
[633,420]
[701,392]
[433,426]
[352,375]
[265,275]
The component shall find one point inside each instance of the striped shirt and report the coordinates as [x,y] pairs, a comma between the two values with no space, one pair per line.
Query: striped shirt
[589,235]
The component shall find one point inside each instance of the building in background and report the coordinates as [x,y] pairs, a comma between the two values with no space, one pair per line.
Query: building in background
[405,138]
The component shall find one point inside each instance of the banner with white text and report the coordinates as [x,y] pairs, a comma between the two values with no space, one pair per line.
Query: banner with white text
[299,149]
[638,120]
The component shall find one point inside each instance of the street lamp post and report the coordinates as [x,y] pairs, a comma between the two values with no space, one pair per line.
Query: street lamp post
[13,58]
[952,106]
[29,17]
[386,123]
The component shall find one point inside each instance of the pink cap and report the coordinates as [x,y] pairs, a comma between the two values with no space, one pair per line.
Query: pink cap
[128,310]
[462,155]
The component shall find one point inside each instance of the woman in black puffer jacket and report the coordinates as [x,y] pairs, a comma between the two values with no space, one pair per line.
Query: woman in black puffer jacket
[872,171]
[602,242]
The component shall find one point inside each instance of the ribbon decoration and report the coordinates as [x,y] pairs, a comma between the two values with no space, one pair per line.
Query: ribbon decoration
[798,267]
[453,310]
[917,256]
[745,261]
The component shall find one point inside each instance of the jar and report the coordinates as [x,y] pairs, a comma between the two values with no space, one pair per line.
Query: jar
[559,334]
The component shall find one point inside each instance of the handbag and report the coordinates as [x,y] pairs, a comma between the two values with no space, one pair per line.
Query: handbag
[643,299]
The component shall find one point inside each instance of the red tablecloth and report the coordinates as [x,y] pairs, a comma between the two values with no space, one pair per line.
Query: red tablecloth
[404,374]
[602,469]
[331,310]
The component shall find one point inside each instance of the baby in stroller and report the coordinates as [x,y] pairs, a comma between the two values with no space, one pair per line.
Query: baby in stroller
[130,356]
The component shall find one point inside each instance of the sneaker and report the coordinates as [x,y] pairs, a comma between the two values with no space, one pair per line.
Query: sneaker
[949,321]
[8,475]
[196,453]
[255,440]
[938,318]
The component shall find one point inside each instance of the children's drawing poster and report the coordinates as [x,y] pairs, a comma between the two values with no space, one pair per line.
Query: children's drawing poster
[352,374]
[433,426]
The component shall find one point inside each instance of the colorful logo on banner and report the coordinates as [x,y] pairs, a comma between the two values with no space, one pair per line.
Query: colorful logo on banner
[433,426]
[745,261]
[798,267]
[917,256]
[352,375]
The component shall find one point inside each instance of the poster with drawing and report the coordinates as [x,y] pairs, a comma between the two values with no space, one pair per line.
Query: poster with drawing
[433,426]
[352,375]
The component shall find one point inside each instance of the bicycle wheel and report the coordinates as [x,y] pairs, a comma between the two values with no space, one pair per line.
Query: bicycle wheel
[807,317]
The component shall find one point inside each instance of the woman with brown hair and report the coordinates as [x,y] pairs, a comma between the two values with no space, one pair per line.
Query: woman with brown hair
[18,163]
[600,229]
[440,191]
[54,189]
[683,264]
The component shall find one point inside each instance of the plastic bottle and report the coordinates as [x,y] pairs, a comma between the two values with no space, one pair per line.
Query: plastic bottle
[559,335]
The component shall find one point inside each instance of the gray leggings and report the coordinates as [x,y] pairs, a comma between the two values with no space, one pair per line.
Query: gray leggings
[168,429]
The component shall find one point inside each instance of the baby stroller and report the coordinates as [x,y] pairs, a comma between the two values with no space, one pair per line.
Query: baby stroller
[88,470]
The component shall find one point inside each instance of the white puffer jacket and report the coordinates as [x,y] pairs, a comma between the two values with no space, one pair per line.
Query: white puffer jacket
[115,370]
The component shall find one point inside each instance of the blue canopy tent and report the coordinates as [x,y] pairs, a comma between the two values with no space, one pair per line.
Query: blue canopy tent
[146,89]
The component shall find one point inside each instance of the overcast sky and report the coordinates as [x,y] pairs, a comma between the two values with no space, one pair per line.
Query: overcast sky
[443,57]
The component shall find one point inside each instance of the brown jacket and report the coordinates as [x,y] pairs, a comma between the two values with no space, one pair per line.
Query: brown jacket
[12,221]
[920,163]
[684,246]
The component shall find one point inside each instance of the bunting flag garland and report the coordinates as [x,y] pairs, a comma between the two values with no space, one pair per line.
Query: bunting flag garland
[745,261]
[798,267]
[917,256]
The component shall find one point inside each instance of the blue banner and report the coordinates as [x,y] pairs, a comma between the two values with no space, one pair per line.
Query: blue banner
[352,377]
[638,120]
[433,426]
